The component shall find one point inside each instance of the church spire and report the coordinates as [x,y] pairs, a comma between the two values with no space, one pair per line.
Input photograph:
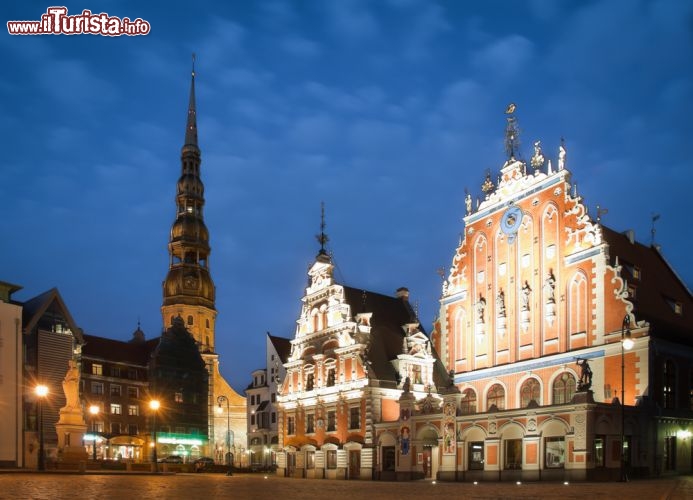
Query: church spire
[191,125]
[188,289]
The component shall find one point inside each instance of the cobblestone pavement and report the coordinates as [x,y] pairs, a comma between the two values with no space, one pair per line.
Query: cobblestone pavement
[22,485]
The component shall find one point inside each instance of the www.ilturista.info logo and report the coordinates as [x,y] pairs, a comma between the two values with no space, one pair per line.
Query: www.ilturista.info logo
[56,22]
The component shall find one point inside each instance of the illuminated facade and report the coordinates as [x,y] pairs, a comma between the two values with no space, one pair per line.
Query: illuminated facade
[354,353]
[189,293]
[11,381]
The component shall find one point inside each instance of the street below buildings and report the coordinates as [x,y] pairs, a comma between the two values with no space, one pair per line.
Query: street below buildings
[24,485]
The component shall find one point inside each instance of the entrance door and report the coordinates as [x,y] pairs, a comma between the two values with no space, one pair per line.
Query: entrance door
[354,464]
[428,470]
[290,464]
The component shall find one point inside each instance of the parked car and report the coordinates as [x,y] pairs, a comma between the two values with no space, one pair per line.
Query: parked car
[203,463]
[171,459]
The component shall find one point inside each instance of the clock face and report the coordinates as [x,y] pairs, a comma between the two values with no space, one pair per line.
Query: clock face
[512,218]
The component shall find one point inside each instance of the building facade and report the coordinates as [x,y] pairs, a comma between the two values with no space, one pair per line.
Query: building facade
[354,354]
[11,378]
[263,408]
[189,293]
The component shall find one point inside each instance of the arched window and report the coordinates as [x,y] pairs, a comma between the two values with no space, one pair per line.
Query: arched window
[316,320]
[190,319]
[668,384]
[468,403]
[563,388]
[495,396]
[310,382]
[330,377]
[530,391]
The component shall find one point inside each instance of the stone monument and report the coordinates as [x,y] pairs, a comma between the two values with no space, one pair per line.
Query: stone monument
[71,425]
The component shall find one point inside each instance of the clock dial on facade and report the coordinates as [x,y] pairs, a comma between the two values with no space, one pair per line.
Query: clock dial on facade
[512,218]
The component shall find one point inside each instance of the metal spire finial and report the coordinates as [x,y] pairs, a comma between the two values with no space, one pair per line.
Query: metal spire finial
[655,218]
[191,125]
[322,237]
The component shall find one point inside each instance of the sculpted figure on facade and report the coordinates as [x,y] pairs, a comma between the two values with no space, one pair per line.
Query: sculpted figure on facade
[480,308]
[526,291]
[550,288]
[71,385]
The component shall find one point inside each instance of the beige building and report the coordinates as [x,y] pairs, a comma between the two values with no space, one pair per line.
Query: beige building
[11,453]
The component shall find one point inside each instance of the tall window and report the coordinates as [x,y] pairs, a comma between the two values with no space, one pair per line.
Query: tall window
[115,390]
[97,388]
[668,384]
[190,320]
[96,369]
[132,429]
[310,460]
[331,420]
[330,377]
[133,410]
[310,423]
[554,452]
[115,371]
[354,417]
[133,392]
[530,391]
[115,428]
[310,381]
[563,388]
[513,454]
[495,396]
[116,409]
[290,425]
[468,402]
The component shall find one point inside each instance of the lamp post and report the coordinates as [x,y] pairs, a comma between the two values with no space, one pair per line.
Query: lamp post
[626,345]
[154,405]
[41,392]
[94,410]
[222,399]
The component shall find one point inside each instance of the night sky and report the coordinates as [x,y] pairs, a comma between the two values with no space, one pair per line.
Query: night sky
[386,111]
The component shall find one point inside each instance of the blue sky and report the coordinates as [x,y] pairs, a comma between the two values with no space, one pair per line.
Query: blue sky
[385,110]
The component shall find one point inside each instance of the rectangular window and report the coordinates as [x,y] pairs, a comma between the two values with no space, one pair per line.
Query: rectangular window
[133,392]
[476,455]
[180,430]
[194,431]
[116,409]
[331,421]
[599,445]
[310,381]
[310,460]
[98,426]
[133,410]
[554,452]
[97,388]
[115,427]
[178,397]
[290,425]
[354,418]
[274,418]
[132,429]
[252,419]
[132,374]
[115,390]
[513,454]
[310,423]
[96,369]
[115,371]
[331,459]
[330,377]
[274,397]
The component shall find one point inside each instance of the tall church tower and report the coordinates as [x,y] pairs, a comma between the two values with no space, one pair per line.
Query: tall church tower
[189,292]
[188,289]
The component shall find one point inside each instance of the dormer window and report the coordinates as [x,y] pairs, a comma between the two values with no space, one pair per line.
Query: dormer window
[675,305]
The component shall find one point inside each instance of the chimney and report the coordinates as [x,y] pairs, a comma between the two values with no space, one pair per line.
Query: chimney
[403,293]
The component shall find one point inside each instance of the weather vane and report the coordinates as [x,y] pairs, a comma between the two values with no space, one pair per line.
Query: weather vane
[322,237]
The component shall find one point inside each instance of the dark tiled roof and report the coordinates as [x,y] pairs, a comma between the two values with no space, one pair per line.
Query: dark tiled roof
[390,314]
[34,308]
[282,346]
[117,351]
[658,288]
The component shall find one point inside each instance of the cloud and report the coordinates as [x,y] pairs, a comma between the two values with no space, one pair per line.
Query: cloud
[223,43]
[504,57]
[77,83]
[350,21]
[300,47]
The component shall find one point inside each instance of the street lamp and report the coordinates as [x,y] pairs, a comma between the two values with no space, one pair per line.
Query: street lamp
[222,399]
[94,410]
[154,405]
[626,345]
[41,392]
